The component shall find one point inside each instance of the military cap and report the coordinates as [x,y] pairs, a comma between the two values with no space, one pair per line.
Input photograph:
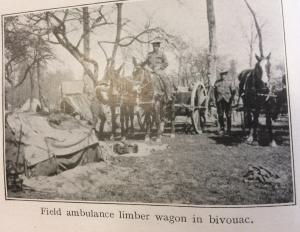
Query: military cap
[156,42]
[223,73]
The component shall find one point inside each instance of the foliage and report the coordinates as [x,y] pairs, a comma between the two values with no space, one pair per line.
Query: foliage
[22,47]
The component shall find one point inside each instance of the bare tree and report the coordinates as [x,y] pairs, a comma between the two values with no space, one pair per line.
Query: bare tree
[233,71]
[251,37]
[212,64]
[59,28]
[23,48]
[133,34]
[86,46]
[258,29]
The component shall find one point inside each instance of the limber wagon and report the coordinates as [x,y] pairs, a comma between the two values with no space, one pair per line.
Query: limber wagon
[190,104]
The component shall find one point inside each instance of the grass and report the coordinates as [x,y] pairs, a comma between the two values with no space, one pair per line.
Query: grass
[204,169]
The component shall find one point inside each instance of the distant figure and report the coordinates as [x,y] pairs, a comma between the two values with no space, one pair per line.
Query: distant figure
[195,76]
[224,94]
[99,98]
[157,61]
[281,99]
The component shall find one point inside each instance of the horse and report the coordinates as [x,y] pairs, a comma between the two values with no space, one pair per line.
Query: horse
[255,90]
[154,99]
[123,92]
[129,94]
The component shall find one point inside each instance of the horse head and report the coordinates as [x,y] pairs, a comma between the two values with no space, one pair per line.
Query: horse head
[141,73]
[262,68]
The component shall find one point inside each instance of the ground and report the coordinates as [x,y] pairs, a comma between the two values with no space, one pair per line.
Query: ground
[197,169]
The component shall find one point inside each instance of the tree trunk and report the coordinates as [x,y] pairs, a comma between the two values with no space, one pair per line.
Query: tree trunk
[212,64]
[118,35]
[179,71]
[32,88]
[88,83]
[39,86]
[212,59]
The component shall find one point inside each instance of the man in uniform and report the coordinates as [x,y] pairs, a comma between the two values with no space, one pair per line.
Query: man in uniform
[99,98]
[224,94]
[158,61]
[281,98]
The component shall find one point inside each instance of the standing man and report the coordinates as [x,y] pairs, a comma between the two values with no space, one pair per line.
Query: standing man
[224,94]
[158,61]
[99,98]
[281,98]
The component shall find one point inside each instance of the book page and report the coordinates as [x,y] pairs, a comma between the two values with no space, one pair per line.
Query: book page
[93,141]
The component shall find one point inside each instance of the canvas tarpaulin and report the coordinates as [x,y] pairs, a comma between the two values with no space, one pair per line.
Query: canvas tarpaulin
[40,142]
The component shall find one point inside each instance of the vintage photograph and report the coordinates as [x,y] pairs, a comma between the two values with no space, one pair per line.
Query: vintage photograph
[174,102]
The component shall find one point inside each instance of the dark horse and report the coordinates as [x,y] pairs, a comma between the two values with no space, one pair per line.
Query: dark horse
[123,93]
[152,99]
[129,93]
[255,90]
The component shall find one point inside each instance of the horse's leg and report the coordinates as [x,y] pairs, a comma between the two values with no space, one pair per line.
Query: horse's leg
[157,107]
[172,120]
[255,126]
[249,122]
[162,119]
[148,124]
[122,117]
[101,128]
[269,124]
[127,119]
[113,122]
[131,116]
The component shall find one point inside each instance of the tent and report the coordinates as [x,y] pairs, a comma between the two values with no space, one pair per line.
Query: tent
[48,145]
[36,105]
[75,102]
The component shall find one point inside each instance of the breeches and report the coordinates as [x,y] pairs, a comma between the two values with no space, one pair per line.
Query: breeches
[166,83]
[97,112]
[224,107]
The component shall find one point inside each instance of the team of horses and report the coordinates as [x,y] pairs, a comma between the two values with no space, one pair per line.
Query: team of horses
[144,88]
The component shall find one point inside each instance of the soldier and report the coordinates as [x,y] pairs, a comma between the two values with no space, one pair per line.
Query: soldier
[224,94]
[281,98]
[99,98]
[158,61]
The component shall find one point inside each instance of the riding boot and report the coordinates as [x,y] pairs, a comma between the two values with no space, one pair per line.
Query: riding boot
[228,127]
[101,128]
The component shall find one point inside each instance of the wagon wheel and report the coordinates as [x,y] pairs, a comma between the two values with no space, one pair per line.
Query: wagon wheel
[198,107]
[141,120]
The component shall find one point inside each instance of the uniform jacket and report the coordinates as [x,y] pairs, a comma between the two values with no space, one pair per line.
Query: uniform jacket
[224,89]
[156,60]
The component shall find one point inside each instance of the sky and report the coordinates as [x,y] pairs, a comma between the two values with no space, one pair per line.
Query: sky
[189,20]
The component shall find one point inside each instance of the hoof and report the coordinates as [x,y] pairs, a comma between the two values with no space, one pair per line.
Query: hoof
[132,133]
[158,140]
[255,143]
[123,138]
[112,138]
[273,144]
[249,139]
[147,139]
[172,135]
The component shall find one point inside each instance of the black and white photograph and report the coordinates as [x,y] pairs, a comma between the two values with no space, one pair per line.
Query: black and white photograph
[171,103]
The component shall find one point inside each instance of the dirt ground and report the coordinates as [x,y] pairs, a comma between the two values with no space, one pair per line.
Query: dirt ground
[196,169]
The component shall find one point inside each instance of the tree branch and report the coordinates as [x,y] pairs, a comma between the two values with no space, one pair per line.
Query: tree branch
[258,30]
